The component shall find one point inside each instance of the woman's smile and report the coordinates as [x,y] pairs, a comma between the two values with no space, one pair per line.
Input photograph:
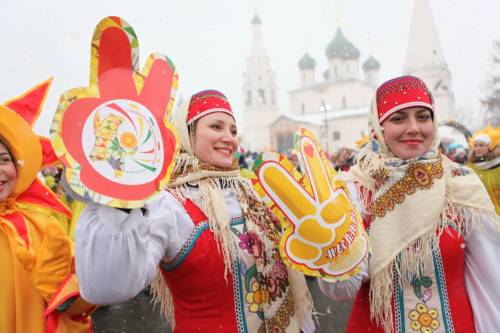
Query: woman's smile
[216,141]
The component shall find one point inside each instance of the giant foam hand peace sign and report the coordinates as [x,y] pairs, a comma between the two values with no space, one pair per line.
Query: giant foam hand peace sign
[324,233]
[113,137]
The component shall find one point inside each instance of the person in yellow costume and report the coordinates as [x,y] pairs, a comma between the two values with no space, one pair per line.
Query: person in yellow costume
[38,286]
[484,159]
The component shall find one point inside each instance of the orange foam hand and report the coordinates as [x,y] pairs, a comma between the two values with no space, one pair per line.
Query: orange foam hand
[113,137]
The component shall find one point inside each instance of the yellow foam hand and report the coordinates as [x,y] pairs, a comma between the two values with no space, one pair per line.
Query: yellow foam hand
[326,236]
[52,262]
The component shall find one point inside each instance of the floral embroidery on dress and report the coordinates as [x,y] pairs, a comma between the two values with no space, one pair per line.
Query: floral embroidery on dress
[420,282]
[418,177]
[254,298]
[424,319]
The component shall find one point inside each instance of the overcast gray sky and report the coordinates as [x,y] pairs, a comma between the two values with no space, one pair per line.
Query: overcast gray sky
[209,41]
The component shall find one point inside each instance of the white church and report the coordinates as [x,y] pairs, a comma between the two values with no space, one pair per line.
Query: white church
[335,107]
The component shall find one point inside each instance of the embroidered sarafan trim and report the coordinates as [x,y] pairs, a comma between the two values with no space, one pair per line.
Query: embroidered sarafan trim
[398,299]
[189,243]
[418,177]
[186,248]
[445,301]
[238,298]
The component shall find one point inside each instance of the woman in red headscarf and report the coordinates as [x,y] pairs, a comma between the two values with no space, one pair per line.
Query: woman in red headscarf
[39,290]
[432,226]
[215,242]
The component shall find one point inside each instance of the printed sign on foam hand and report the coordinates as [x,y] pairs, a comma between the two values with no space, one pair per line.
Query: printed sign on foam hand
[324,233]
[113,137]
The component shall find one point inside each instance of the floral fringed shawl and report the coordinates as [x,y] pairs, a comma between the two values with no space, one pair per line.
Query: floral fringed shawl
[259,220]
[410,203]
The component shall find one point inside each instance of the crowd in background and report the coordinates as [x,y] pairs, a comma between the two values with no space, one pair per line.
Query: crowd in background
[341,160]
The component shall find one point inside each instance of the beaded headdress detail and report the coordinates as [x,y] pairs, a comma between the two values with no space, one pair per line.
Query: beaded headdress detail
[401,93]
[206,102]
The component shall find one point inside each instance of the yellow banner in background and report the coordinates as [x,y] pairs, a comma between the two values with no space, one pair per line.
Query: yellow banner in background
[324,234]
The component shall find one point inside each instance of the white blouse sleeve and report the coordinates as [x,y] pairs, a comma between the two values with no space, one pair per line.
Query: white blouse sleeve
[347,289]
[117,253]
[482,268]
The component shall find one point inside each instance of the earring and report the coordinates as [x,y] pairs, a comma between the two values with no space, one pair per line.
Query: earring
[382,128]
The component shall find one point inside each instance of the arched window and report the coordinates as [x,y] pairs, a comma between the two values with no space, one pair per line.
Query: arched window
[281,142]
[249,97]
[261,99]
[290,141]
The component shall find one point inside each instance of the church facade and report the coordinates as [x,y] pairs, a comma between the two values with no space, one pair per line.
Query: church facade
[425,59]
[335,107]
[260,95]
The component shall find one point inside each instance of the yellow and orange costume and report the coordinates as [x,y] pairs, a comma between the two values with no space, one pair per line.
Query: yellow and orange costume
[39,288]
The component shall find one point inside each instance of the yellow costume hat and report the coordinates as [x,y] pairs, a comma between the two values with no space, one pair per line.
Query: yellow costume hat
[492,133]
[31,152]
[25,147]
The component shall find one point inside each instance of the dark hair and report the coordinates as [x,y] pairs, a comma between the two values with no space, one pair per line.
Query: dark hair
[9,150]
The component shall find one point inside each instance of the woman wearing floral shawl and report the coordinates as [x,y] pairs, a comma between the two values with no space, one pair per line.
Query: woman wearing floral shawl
[207,240]
[432,226]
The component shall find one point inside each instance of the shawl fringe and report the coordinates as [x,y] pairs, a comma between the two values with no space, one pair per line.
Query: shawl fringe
[410,263]
[212,183]
[163,296]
